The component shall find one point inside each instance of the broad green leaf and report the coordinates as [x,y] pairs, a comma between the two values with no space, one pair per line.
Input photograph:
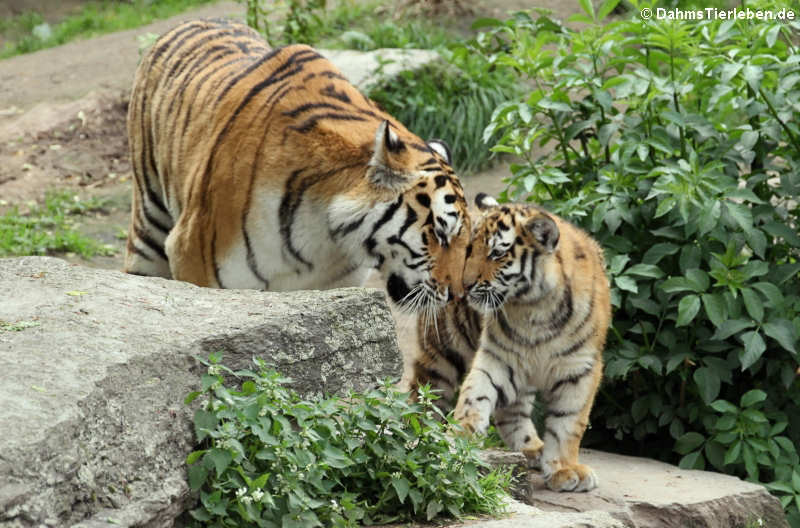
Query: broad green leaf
[754,347]
[645,270]
[741,214]
[658,252]
[693,461]
[194,456]
[606,8]
[688,442]
[731,327]
[734,450]
[783,332]
[588,8]
[752,397]
[204,421]
[708,383]
[197,476]
[221,458]
[709,217]
[716,309]
[401,486]
[687,309]
[724,406]
[698,279]
[753,304]
[750,463]
[626,283]
[771,292]
[433,509]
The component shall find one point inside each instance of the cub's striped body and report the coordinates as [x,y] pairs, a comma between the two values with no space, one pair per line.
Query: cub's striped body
[264,168]
[534,320]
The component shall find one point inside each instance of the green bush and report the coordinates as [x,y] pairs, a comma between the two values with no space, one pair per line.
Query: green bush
[677,145]
[271,459]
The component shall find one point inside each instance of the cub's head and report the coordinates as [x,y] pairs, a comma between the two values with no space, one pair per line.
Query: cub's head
[420,238]
[512,255]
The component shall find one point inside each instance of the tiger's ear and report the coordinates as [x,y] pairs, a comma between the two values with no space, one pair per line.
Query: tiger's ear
[379,170]
[545,231]
[484,201]
[442,149]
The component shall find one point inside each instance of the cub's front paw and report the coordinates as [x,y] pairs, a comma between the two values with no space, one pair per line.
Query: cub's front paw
[573,478]
[470,421]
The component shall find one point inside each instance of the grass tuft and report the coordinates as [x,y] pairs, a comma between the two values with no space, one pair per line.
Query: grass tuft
[50,228]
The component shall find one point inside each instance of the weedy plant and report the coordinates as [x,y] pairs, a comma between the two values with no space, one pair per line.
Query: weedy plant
[272,459]
[50,228]
[676,143]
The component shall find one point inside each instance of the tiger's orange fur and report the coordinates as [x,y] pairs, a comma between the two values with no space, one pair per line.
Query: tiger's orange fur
[264,168]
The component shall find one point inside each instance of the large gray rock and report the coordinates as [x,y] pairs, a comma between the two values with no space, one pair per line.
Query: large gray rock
[95,364]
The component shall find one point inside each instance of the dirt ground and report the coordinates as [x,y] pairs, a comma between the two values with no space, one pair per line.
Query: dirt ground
[62,121]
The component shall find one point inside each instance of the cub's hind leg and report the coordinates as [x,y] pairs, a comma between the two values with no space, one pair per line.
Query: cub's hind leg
[516,428]
[569,401]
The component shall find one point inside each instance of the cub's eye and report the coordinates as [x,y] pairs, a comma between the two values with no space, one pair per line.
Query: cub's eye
[496,254]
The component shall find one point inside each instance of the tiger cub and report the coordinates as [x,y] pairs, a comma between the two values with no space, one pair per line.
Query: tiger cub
[265,168]
[534,319]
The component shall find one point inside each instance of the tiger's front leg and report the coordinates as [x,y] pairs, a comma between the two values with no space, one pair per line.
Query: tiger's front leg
[516,428]
[569,403]
[488,383]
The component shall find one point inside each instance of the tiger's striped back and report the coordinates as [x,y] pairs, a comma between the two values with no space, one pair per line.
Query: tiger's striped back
[264,168]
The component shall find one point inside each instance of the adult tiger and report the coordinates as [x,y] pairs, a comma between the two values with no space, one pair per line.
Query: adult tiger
[264,168]
[534,320]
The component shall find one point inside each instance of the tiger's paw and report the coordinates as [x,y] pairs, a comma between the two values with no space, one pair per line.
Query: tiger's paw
[470,422]
[573,478]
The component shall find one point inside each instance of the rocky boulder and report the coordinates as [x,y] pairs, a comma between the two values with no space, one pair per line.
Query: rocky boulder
[95,364]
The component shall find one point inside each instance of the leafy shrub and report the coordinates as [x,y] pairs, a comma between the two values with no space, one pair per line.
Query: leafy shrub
[49,229]
[271,459]
[677,144]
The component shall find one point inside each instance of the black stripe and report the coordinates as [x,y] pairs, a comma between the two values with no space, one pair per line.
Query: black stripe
[161,47]
[154,222]
[501,395]
[455,359]
[343,230]
[552,413]
[370,242]
[256,64]
[311,106]
[331,91]
[309,124]
[574,347]
[570,380]
[154,246]
[289,204]
[214,259]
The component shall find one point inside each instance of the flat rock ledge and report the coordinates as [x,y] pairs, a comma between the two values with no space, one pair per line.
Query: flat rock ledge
[637,493]
[95,365]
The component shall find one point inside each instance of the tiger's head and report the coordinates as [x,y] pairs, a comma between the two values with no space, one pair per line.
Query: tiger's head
[420,238]
[512,256]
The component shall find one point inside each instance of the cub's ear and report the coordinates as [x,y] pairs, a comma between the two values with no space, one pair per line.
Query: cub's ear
[442,149]
[484,201]
[379,168]
[545,231]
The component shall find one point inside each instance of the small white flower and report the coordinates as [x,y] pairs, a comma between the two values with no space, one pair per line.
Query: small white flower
[246,500]
[258,495]
[241,492]
[760,521]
